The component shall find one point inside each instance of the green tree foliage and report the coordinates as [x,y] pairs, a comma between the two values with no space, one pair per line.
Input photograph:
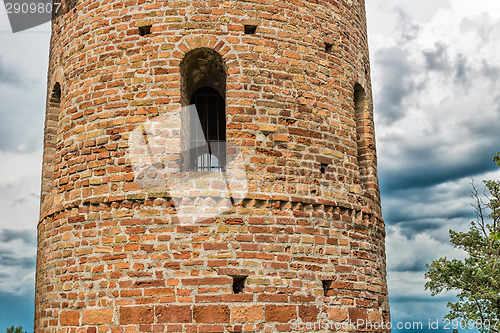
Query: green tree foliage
[13,329]
[477,277]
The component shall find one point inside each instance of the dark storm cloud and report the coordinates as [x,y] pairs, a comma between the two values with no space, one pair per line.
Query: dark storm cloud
[424,298]
[9,235]
[437,114]
[415,210]
[423,167]
[410,266]
[14,261]
[431,161]
[412,226]
[437,59]
[418,221]
[397,83]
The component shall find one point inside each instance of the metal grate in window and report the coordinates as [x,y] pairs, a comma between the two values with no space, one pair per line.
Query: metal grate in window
[209,153]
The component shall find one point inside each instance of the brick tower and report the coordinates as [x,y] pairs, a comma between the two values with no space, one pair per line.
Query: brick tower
[285,83]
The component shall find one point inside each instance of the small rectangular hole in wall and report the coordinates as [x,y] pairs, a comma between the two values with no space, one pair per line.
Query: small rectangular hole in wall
[323,167]
[328,47]
[327,284]
[250,29]
[239,284]
[145,30]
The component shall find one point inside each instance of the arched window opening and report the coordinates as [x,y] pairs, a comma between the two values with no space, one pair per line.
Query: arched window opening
[55,96]
[359,98]
[203,84]
[49,151]
[361,117]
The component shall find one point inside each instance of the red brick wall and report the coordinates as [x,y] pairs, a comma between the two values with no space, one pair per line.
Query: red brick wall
[111,256]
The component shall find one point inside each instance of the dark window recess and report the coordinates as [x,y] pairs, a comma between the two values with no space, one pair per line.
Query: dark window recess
[359,98]
[250,29]
[328,47]
[323,167]
[209,148]
[145,30]
[327,287]
[55,97]
[359,111]
[239,284]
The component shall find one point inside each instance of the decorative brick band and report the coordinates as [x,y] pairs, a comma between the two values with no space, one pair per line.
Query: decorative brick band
[152,271]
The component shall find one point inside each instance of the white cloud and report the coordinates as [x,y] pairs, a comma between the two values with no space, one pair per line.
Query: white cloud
[19,189]
[17,267]
[409,254]
[383,21]
[23,78]
[19,209]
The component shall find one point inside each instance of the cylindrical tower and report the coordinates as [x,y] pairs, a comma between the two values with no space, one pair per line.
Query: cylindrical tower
[267,220]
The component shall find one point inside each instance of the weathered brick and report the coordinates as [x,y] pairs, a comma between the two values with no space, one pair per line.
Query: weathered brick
[247,314]
[280,313]
[97,316]
[69,318]
[357,314]
[211,314]
[336,314]
[308,313]
[136,315]
[173,314]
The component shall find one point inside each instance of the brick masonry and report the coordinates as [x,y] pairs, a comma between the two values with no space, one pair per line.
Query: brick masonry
[112,256]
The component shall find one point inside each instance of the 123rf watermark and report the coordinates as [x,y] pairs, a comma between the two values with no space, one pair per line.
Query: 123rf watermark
[456,324]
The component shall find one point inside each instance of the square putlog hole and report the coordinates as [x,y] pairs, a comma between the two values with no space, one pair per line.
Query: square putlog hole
[327,287]
[250,29]
[328,47]
[323,168]
[145,30]
[239,284]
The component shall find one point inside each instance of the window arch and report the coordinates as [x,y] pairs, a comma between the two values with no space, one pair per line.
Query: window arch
[50,135]
[360,114]
[203,84]
[55,96]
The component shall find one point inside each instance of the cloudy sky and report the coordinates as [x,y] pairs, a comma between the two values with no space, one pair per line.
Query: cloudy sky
[435,68]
